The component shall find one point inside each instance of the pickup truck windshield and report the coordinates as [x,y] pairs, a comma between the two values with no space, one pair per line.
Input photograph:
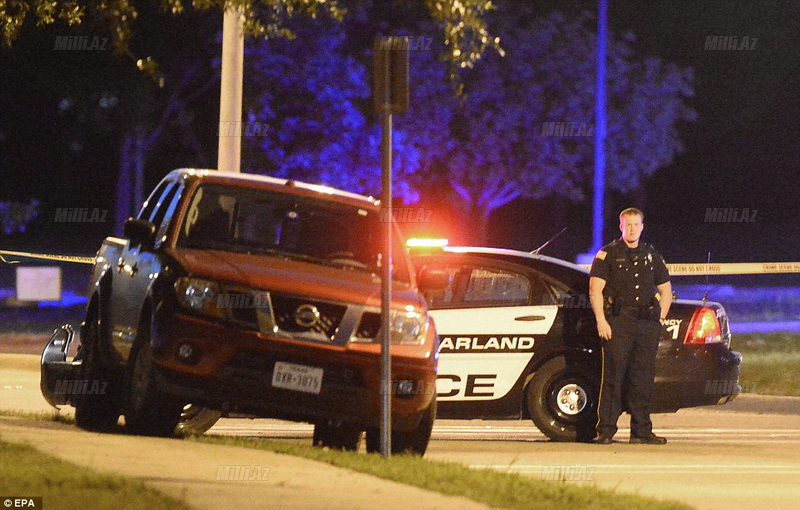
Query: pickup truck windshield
[255,221]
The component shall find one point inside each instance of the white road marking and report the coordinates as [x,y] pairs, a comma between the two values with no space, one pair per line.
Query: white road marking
[494,433]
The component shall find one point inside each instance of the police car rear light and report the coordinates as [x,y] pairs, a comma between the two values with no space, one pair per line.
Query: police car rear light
[420,242]
[704,328]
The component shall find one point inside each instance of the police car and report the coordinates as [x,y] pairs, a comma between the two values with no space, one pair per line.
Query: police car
[518,340]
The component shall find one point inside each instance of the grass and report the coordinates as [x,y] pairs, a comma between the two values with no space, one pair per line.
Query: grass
[770,363]
[53,415]
[26,472]
[496,489]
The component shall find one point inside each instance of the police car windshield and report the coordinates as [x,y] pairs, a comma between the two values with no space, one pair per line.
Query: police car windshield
[275,224]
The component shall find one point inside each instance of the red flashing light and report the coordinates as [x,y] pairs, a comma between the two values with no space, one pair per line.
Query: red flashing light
[704,328]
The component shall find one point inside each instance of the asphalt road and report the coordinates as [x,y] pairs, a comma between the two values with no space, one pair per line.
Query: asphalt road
[744,455]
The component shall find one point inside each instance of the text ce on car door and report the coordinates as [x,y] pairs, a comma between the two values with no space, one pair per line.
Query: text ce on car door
[488,330]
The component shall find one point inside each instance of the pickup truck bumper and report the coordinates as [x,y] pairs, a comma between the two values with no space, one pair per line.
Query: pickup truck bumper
[59,375]
[232,371]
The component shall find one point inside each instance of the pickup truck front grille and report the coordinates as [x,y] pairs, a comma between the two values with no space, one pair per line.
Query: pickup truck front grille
[369,327]
[307,316]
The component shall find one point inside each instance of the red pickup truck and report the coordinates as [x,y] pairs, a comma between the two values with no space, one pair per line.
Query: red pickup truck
[253,295]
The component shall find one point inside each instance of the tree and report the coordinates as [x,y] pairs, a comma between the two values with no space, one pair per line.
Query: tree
[15,216]
[462,21]
[306,118]
[521,129]
[138,115]
[523,126]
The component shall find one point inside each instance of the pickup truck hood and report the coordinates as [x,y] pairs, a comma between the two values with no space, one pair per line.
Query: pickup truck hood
[291,276]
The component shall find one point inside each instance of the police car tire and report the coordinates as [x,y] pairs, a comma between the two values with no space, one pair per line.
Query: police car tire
[95,411]
[540,398]
[343,436]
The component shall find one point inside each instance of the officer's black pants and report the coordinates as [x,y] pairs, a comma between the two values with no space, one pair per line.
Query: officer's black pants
[629,365]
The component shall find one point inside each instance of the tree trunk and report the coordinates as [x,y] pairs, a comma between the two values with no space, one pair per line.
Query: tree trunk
[124,191]
[478,218]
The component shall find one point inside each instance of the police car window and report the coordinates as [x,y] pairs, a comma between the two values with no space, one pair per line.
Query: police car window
[471,286]
[541,292]
[496,287]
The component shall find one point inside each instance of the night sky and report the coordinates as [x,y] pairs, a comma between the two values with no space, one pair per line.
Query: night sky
[742,152]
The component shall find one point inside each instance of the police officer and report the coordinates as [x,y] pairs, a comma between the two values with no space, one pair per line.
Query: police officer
[630,294]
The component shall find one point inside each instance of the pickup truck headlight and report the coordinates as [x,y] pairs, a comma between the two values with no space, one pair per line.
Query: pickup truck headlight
[408,327]
[200,296]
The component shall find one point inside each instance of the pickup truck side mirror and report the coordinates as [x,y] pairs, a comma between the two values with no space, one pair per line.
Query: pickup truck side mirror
[140,232]
[431,279]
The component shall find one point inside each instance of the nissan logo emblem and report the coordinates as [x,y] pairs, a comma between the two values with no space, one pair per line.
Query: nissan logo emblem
[306,315]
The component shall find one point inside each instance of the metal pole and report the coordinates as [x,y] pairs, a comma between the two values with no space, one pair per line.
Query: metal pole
[386,268]
[600,129]
[230,98]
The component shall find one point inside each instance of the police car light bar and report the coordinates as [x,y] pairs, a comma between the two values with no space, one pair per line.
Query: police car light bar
[419,242]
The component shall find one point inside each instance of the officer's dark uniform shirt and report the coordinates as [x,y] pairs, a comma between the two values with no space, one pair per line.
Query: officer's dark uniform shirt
[631,274]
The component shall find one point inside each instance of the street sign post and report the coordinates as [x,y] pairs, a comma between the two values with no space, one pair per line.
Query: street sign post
[390,91]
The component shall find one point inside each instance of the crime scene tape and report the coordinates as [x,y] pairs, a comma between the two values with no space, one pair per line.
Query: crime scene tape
[61,258]
[674,269]
[730,268]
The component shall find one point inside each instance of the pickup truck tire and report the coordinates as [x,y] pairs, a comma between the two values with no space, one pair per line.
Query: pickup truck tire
[413,442]
[97,411]
[195,420]
[148,411]
[562,402]
[337,437]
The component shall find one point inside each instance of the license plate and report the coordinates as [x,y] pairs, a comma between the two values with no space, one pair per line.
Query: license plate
[297,377]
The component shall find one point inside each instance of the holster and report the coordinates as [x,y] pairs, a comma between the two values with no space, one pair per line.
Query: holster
[651,311]
[611,306]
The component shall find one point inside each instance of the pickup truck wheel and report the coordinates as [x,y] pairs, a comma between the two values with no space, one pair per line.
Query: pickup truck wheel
[413,442]
[149,412]
[562,402]
[97,405]
[337,437]
[195,420]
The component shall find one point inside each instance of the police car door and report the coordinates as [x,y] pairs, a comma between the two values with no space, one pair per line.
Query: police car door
[488,330]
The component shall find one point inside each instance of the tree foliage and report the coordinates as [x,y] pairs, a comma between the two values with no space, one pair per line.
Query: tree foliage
[515,125]
[462,21]
[492,144]
[15,216]
[307,119]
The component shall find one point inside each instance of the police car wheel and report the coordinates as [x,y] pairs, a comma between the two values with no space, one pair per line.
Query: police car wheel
[561,402]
